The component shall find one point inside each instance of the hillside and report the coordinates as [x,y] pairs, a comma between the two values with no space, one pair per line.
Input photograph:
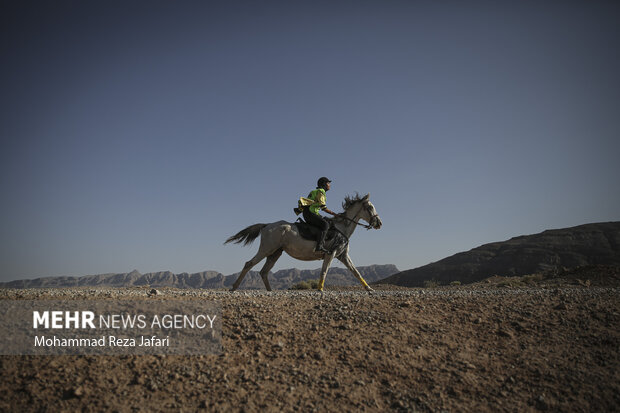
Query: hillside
[282,279]
[590,244]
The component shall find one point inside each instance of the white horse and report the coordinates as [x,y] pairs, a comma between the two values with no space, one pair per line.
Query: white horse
[284,236]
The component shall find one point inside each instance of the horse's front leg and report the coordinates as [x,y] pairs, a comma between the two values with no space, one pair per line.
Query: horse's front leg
[327,261]
[346,260]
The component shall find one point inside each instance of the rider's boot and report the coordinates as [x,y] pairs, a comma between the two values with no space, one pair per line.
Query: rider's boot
[319,245]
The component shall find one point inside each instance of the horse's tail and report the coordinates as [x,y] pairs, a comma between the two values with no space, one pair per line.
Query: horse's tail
[246,235]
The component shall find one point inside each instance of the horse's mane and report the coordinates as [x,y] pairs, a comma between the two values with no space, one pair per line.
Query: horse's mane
[351,200]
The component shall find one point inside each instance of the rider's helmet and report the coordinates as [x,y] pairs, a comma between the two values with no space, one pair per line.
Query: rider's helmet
[322,183]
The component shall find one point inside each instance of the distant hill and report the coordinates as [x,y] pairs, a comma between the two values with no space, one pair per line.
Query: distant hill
[590,244]
[282,279]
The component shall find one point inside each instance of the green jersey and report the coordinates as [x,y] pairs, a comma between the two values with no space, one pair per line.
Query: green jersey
[316,200]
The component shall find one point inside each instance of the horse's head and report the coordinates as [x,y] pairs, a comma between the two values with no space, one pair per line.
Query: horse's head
[370,213]
[366,211]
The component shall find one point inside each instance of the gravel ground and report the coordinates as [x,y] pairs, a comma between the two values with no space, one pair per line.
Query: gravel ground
[444,349]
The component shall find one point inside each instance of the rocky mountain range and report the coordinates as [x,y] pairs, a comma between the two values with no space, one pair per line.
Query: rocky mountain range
[590,244]
[282,279]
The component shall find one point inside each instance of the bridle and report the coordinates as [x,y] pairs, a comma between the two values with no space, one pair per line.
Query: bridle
[367,226]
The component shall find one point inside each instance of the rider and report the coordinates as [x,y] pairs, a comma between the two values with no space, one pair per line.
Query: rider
[311,205]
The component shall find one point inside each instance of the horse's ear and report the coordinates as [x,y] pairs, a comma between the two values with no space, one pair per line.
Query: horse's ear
[366,197]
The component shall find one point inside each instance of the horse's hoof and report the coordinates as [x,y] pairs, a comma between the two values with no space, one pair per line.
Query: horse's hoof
[369,289]
[232,290]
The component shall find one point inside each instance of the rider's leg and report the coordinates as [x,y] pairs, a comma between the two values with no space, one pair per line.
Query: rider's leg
[319,222]
[320,246]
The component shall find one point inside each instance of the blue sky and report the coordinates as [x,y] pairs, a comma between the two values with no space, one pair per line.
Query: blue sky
[142,135]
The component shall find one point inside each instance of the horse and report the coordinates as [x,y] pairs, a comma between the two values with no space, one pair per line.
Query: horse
[282,236]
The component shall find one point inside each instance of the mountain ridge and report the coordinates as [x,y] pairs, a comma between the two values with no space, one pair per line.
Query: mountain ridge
[281,279]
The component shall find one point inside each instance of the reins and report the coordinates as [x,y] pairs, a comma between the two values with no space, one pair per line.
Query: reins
[367,226]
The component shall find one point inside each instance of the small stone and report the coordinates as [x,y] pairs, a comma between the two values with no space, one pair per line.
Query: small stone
[541,403]
[504,333]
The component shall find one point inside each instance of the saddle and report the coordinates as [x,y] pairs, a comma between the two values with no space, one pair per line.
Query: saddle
[312,233]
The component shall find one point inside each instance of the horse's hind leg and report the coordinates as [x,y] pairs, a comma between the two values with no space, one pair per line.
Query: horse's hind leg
[271,260]
[247,267]
[268,247]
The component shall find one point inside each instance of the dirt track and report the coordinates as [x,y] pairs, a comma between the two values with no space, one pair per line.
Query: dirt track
[404,350]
